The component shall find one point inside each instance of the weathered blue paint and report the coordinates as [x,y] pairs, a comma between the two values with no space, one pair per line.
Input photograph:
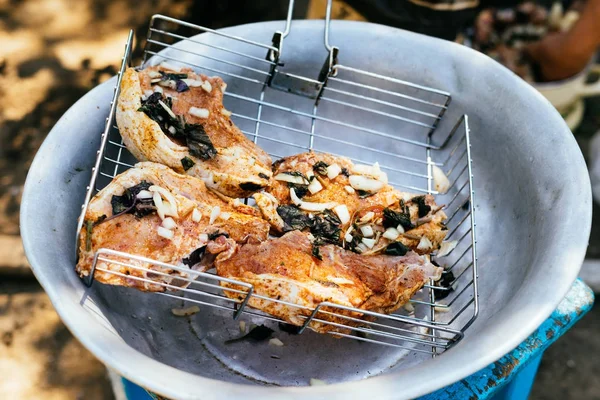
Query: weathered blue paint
[487,383]
[512,376]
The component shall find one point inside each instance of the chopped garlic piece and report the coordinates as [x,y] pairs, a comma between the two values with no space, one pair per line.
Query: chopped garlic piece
[349,189]
[342,213]
[391,234]
[409,308]
[170,67]
[295,199]
[148,93]
[207,86]
[369,242]
[308,206]
[333,171]
[203,238]
[367,231]
[158,203]
[192,82]
[214,214]
[164,232]
[167,109]
[424,244]
[225,216]
[225,112]
[196,215]
[372,171]
[317,382]
[367,217]
[315,186]
[285,177]
[158,89]
[243,326]
[339,281]
[400,229]
[446,248]
[440,180]
[169,223]
[154,74]
[144,194]
[361,247]
[360,182]
[199,112]
[184,312]
[348,237]
[172,210]
[275,342]
[172,130]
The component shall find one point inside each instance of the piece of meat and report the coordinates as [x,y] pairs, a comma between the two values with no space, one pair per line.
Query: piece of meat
[139,234]
[234,166]
[424,234]
[285,269]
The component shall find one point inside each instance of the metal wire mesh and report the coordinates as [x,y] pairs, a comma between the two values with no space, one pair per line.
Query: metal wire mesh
[386,120]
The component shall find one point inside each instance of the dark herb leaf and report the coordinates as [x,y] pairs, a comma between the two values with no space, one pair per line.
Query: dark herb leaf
[289,328]
[181,86]
[396,249]
[364,194]
[345,172]
[257,334]
[130,204]
[392,219]
[195,257]
[445,282]
[326,228]
[250,186]
[216,234]
[424,209]
[172,77]
[300,190]
[264,176]
[294,218]
[198,142]
[316,252]
[88,235]
[195,136]
[320,167]
[187,163]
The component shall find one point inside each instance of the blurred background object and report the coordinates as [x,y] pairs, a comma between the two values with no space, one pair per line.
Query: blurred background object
[54,51]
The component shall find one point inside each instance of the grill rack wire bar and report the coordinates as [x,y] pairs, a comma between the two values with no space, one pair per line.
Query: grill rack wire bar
[436,327]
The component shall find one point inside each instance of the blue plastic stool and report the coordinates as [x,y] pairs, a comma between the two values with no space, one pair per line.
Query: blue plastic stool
[509,378]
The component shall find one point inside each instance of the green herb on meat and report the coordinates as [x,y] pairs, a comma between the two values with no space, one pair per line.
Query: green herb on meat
[424,209]
[316,252]
[396,249]
[250,186]
[157,108]
[257,334]
[89,226]
[195,257]
[392,219]
[128,202]
[326,228]
[320,167]
[187,163]
[294,218]
[198,142]
[180,86]
[363,194]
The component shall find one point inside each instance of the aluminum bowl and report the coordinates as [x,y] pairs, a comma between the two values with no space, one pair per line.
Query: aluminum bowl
[533,201]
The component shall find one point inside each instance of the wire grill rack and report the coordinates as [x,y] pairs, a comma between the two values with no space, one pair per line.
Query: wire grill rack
[388,120]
